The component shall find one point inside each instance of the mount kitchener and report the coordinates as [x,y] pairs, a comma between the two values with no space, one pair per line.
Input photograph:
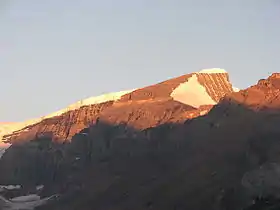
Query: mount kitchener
[192,142]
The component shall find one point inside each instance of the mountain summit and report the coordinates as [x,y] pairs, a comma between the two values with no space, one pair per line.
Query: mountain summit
[193,91]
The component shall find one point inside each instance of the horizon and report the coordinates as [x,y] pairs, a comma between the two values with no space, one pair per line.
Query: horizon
[57,53]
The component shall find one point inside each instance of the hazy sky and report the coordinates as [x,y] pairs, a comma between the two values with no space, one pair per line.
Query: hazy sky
[55,52]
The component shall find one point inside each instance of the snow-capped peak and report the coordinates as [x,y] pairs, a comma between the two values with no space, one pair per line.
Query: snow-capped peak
[212,71]
[235,89]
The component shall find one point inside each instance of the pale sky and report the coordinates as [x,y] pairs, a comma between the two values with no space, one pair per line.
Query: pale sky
[55,52]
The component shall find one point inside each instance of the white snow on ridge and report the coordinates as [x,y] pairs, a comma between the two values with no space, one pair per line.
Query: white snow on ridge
[192,93]
[9,128]
[217,71]
[10,187]
[40,187]
[88,101]
[26,198]
[235,89]
[212,71]
[6,128]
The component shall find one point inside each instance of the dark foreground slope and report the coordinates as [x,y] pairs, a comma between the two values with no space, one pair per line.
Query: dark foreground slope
[223,160]
[209,163]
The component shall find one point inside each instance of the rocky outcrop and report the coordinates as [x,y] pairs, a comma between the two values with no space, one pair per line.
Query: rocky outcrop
[264,95]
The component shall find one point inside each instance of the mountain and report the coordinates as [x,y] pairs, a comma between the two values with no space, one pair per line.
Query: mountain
[190,142]
[225,159]
[181,94]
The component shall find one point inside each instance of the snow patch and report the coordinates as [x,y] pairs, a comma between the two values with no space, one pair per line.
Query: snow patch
[26,198]
[40,187]
[29,202]
[203,112]
[212,71]
[11,127]
[192,93]
[10,187]
[235,89]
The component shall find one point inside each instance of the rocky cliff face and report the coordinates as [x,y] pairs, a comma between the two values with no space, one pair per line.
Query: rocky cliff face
[217,85]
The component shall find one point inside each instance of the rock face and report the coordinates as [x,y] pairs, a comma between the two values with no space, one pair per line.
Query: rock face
[168,101]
